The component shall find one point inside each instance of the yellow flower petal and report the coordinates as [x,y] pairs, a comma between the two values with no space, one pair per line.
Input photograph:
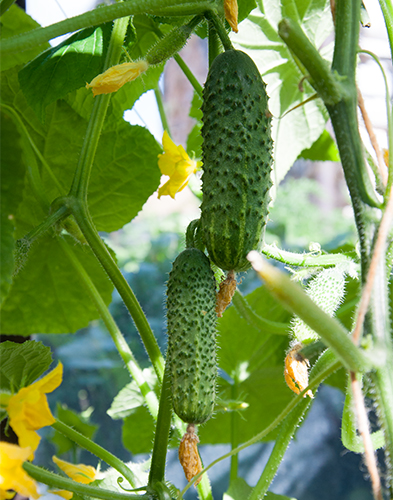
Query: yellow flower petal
[115,77]
[80,473]
[6,495]
[12,475]
[175,163]
[28,409]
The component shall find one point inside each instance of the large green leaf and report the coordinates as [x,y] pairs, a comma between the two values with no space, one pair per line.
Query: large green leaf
[12,170]
[125,172]
[14,22]
[257,36]
[22,364]
[64,68]
[47,296]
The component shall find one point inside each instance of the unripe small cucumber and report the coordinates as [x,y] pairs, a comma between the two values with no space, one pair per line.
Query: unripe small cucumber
[191,323]
[237,160]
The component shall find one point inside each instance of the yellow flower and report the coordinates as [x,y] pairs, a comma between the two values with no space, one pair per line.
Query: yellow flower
[80,473]
[28,409]
[115,77]
[12,475]
[231,12]
[176,163]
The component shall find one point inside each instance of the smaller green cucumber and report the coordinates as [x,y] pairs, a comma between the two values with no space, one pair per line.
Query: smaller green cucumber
[191,324]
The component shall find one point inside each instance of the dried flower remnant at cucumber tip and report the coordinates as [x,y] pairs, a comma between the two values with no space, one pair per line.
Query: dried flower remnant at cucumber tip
[189,456]
[225,293]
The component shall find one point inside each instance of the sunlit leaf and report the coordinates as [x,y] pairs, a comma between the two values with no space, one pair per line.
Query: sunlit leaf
[47,296]
[257,36]
[14,22]
[65,68]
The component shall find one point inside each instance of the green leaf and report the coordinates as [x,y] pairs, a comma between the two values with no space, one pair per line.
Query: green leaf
[77,421]
[239,358]
[194,142]
[130,397]
[272,496]
[111,476]
[238,490]
[138,431]
[245,7]
[14,22]
[7,246]
[47,296]
[257,36]
[266,394]
[65,68]
[349,436]
[22,364]
[12,170]
[126,163]
[125,172]
[323,149]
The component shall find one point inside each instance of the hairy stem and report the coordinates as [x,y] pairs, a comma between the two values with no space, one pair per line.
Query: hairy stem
[189,74]
[117,337]
[60,482]
[102,15]
[305,259]
[213,18]
[288,429]
[161,436]
[86,225]
[81,178]
[96,450]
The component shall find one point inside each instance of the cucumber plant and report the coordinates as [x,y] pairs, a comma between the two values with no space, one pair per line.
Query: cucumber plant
[71,167]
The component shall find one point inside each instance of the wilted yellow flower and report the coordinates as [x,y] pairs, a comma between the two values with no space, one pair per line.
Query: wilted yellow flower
[176,163]
[84,474]
[28,409]
[231,13]
[12,475]
[115,77]
[296,371]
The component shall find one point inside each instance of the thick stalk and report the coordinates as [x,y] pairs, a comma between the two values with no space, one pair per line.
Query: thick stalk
[234,433]
[86,225]
[305,259]
[219,27]
[63,483]
[81,178]
[104,14]
[161,436]
[96,450]
[288,429]
[161,110]
[189,74]
[117,337]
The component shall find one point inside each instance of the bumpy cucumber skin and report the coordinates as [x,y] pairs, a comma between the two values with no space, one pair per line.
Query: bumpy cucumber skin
[191,323]
[237,160]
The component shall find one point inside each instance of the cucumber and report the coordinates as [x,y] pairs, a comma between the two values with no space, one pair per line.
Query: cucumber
[237,160]
[191,325]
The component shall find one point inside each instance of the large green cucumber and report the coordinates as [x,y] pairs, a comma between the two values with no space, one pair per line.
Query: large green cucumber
[191,324]
[237,160]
